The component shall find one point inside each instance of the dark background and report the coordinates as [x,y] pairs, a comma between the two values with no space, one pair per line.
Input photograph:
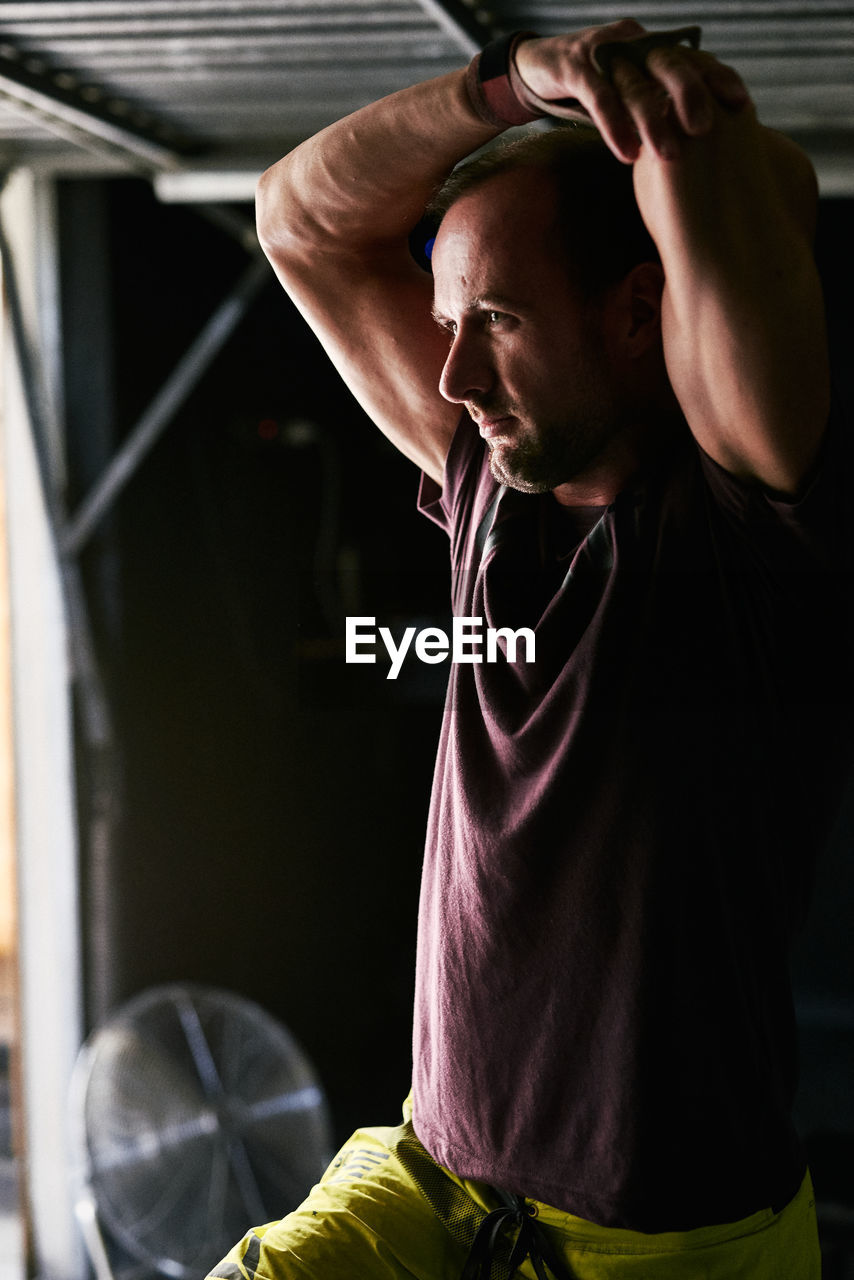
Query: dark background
[269,801]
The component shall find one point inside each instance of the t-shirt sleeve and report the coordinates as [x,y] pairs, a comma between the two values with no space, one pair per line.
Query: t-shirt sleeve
[443,503]
[815,522]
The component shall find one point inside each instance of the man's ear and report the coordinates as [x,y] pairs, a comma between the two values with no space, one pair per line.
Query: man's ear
[641,293]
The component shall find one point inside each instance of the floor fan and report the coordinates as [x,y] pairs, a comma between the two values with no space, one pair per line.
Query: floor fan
[195,1115]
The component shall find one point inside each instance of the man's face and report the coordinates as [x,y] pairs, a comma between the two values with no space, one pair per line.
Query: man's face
[529,357]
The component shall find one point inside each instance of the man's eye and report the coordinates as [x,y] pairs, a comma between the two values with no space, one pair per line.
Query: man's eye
[495,317]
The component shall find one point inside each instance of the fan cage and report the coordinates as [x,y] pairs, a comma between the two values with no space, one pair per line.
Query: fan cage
[195,1115]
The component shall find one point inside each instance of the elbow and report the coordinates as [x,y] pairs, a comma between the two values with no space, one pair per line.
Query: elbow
[289,229]
[274,210]
[283,218]
[796,181]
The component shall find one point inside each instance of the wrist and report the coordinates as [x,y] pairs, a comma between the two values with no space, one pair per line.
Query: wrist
[495,88]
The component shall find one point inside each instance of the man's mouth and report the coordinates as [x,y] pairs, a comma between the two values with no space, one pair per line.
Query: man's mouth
[491,426]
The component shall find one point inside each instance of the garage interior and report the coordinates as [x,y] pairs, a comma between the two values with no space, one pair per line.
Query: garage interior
[196,787]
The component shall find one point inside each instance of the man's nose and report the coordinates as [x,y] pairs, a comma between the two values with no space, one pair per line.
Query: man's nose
[467,372]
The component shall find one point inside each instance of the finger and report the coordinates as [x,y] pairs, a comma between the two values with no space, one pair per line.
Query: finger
[725,84]
[605,103]
[561,75]
[681,77]
[608,113]
[622,29]
[696,82]
[649,106]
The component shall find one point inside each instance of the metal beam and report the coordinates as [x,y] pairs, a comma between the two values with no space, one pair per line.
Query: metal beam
[187,373]
[219,185]
[94,707]
[49,938]
[89,115]
[471,26]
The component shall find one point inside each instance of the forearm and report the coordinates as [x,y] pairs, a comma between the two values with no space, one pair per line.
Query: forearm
[731,207]
[365,180]
[362,183]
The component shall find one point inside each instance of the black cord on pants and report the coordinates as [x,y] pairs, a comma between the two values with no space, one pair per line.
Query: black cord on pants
[531,1242]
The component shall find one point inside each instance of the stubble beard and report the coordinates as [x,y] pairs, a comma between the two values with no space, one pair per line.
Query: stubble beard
[542,459]
[549,449]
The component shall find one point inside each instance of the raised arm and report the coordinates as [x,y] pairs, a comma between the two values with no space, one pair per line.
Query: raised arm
[733,216]
[334,217]
[731,207]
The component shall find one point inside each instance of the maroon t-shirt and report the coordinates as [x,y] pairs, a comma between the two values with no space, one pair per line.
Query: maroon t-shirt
[622,838]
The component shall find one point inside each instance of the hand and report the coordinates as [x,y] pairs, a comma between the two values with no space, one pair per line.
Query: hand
[673,96]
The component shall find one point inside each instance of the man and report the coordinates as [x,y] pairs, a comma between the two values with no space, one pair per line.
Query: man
[623,830]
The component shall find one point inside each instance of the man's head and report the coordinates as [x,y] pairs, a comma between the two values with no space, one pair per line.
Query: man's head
[598,233]
[548,282]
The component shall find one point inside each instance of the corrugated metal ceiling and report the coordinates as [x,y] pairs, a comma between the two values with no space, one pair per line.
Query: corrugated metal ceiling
[242,82]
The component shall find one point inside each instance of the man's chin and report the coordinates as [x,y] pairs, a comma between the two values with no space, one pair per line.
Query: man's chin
[514,474]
